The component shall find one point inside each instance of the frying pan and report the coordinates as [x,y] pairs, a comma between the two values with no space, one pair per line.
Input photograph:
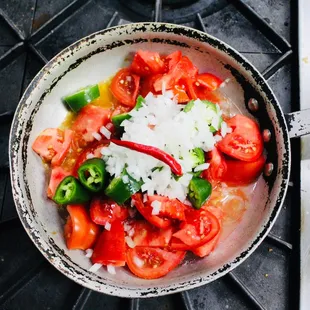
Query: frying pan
[99,56]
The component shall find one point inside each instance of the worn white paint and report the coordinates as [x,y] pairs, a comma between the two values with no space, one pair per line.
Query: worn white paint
[304,61]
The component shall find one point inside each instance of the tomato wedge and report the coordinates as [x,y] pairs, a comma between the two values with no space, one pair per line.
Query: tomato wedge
[53,144]
[171,208]
[89,120]
[110,247]
[80,232]
[103,211]
[200,227]
[209,81]
[146,212]
[146,234]
[217,168]
[147,63]
[245,142]
[152,263]
[242,172]
[184,69]
[125,87]
[179,90]
[172,60]
[147,84]
[57,175]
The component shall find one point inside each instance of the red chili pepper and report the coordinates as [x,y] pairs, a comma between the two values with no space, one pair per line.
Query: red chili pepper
[152,151]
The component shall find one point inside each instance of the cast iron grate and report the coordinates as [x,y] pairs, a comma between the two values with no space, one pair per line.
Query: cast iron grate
[31,45]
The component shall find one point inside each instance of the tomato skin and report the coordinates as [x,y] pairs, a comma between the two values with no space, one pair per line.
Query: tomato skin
[89,120]
[146,212]
[110,247]
[124,90]
[217,168]
[155,263]
[145,234]
[53,144]
[245,142]
[147,63]
[177,245]
[200,227]
[57,175]
[209,81]
[242,172]
[103,211]
[80,232]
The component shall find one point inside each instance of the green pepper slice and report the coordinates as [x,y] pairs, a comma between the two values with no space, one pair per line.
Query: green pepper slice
[118,119]
[199,191]
[198,157]
[209,105]
[92,174]
[70,191]
[120,190]
[81,98]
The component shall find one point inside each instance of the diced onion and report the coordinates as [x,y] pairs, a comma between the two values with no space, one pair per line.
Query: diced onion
[217,138]
[105,132]
[125,179]
[223,129]
[107,226]
[130,242]
[97,136]
[156,207]
[187,202]
[95,267]
[111,269]
[89,253]
[90,156]
[202,167]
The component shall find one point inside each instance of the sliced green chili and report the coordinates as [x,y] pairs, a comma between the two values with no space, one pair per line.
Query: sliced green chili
[199,191]
[123,187]
[71,191]
[198,157]
[92,174]
[82,97]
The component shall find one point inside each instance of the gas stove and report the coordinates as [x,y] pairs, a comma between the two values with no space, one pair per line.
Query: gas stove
[265,32]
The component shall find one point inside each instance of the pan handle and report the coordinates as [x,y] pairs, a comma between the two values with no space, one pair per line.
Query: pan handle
[298,123]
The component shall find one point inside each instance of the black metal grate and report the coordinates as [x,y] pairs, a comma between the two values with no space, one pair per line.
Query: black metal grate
[32,33]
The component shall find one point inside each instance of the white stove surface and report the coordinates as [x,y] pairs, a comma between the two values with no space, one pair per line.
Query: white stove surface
[304,63]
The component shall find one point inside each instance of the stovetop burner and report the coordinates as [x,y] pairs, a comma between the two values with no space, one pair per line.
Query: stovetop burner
[174,11]
[36,30]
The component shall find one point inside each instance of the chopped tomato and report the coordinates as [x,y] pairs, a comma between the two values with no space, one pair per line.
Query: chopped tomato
[147,84]
[125,87]
[152,263]
[145,234]
[177,245]
[110,247]
[171,208]
[242,172]
[80,232]
[172,60]
[120,109]
[89,120]
[183,70]
[103,211]
[179,90]
[209,81]
[147,63]
[245,142]
[209,246]
[196,90]
[53,144]
[217,168]
[146,212]
[57,175]
[200,227]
